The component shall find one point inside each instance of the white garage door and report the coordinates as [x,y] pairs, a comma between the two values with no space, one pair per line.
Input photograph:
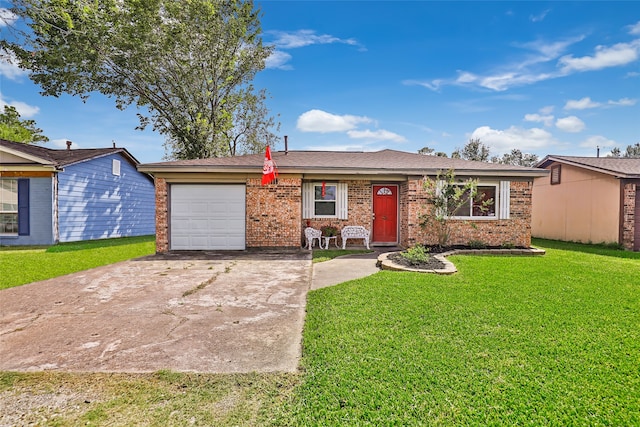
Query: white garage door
[207,217]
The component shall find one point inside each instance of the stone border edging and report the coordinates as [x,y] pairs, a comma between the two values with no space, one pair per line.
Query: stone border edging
[387,264]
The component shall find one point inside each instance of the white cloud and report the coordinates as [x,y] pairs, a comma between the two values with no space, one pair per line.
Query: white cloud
[597,141]
[570,124]
[26,111]
[378,135]
[303,38]
[278,59]
[634,29]
[323,122]
[623,102]
[604,57]
[8,67]
[540,17]
[502,141]
[540,118]
[7,17]
[547,110]
[581,104]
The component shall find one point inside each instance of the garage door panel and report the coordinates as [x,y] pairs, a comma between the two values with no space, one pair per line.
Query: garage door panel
[205,217]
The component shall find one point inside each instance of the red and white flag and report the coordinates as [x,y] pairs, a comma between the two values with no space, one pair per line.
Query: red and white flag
[269,170]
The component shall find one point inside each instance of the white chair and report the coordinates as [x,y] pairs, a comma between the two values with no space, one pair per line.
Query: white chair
[311,235]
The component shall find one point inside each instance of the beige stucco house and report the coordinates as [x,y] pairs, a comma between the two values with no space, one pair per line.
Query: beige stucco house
[589,200]
[220,203]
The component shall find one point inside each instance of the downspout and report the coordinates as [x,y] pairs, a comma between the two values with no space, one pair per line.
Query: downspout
[56,229]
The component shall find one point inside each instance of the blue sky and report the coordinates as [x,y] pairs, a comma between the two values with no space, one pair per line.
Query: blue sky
[543,77]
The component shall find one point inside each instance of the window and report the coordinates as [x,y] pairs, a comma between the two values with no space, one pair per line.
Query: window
[8,206]
[115,167]
[555,174]
[324,200]
[482,204]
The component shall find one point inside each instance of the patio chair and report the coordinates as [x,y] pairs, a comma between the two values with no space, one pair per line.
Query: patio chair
[311,235]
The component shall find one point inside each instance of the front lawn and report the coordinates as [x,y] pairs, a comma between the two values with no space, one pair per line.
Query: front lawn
[551,340]
[26,265]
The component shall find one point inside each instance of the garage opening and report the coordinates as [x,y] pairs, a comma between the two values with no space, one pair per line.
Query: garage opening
[207,217]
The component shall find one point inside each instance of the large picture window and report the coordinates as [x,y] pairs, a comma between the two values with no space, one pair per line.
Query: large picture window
[8,206]
[480,204]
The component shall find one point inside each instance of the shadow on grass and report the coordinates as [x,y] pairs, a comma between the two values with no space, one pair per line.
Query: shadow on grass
[597,249]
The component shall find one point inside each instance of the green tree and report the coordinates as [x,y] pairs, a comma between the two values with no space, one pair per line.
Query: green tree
[14,129]
[445,195]
[187,64]
[516,157]
[632,151]
[473,150]
[615,152]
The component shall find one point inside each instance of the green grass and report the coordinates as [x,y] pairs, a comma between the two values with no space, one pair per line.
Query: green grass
[544,341]
[26,265]
[550,340]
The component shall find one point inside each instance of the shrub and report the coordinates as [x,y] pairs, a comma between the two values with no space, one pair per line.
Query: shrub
[477,244]
[416,255]
[329,231]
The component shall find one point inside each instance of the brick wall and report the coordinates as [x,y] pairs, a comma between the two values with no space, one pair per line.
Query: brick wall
[628,215]
[360,205]
[274,213]
[515,231]
[162,224]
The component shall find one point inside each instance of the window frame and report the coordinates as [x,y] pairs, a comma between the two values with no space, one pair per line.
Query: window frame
[325,201]
[556,171]
[309,200]
[496,205]
[15,212]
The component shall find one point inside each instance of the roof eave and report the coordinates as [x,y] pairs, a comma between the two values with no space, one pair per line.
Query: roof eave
[155,168]
[620,175]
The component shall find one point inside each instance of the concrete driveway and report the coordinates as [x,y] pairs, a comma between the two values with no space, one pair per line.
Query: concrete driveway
[200,312]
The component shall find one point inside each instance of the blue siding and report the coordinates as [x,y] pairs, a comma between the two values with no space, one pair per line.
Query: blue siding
[95,204]
[40,215]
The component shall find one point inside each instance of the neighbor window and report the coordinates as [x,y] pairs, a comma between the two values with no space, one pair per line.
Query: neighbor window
[482,204]
[8,206]
[324,200]
[555,174]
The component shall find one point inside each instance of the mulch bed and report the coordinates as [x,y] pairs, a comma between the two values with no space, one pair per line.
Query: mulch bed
[433,263]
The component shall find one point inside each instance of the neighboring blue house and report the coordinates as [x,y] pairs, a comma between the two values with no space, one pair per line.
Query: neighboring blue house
[49,196]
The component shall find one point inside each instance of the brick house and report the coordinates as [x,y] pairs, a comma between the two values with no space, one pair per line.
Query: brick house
[588,199]
[219,203]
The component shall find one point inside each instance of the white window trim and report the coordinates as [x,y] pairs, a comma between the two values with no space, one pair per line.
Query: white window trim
[308,200]
[502,202]
[115,167]
[11,212]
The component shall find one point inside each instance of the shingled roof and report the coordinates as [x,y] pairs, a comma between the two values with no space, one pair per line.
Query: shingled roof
[63,157]
[619,167]
[342,162]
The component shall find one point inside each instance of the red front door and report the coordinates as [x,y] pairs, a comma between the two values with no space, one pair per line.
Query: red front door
[385,214]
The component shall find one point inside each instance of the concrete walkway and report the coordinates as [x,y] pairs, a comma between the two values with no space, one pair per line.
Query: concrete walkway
[343,269]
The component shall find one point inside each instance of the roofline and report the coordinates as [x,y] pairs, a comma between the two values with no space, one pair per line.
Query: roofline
[27,156]
[565,161]
[159,168]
